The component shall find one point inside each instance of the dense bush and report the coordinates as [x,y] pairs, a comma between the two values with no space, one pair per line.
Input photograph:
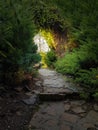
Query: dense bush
[17,50]
[69,64]
[50,58]
[82,63]
[88,77]
[80,18]
[47,16]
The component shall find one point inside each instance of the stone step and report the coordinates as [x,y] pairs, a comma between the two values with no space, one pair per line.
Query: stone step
[58,96]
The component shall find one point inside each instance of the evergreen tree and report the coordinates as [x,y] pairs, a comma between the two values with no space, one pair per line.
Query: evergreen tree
[17,50]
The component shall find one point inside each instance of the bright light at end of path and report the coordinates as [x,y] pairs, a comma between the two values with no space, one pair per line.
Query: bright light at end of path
[41,43]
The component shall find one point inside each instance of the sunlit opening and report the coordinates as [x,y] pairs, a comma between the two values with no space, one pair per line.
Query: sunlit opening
[41,43]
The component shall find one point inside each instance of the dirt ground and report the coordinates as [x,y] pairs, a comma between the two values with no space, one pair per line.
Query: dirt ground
[14,113]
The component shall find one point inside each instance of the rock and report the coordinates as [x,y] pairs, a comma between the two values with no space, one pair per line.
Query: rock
[55,83]
[35,91]
[82,114]
[46,72]
[18,113]
[88,125]
[95,107]
[66,90]
[67,107]
[31,101]
[78,110]
[69,117]
[67,102]
[52,116]
[85,107]
[28,93]
[27,88]
[38,84]
[51,123]
[88,121]
[92,116]
[18,89]
[8,126]
[65,127]
[77,103]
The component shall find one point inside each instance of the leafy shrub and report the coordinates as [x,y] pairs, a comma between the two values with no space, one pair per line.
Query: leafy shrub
[84,95]
[68,64]
[17,50]
[80,62]
[14,78]
[88,77]
[88,54]
[95,95]
[50,58]
[47,15]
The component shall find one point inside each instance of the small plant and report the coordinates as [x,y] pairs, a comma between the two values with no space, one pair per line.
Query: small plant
[88,77]
[69,64]
[95,95]
[84,95]
[50,58]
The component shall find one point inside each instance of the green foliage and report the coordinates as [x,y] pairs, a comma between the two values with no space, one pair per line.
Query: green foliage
[80,63]
[50,58]
[47,15]
[76,17]
[88,77]
[95,95]
[88,54]
[80,18]
[83,65]
[69,64]
[84,95]
[17,50]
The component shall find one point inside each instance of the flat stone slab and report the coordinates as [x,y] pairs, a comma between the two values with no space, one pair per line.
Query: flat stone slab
[59,116]
[47,118]
[47,72]
[65,127]
[67,112]
[67,107]
[69,117]
[54,82]
[31,100]
[78,110]
[51,78]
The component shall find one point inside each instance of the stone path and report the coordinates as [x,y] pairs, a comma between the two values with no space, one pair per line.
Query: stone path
[65,115]
[68,114]
[56,83]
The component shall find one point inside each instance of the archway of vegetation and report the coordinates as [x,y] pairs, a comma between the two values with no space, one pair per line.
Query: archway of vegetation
[70,26]
[74,30]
